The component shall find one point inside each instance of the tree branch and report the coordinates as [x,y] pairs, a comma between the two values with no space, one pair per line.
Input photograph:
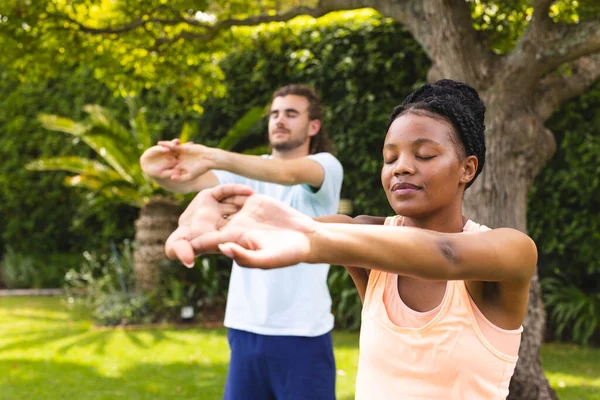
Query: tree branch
[444,28]
[210,30]
[541,8]
[540,22]
[396,9]
[115,30]
[546,45]
[556,88]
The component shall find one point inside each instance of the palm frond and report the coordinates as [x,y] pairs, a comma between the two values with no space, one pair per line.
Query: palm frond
[257,151]
[139,126]
[77,165]
[122,158]
[102,118]
[187,131]
[242,128]
[62,124]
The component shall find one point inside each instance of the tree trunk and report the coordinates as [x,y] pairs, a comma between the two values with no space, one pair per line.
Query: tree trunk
[157,220]
[517,147]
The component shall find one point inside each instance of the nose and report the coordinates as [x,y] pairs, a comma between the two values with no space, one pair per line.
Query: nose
[404,165]
[279,119]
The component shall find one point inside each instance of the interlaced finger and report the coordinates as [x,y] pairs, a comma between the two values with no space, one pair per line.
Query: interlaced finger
[222,192]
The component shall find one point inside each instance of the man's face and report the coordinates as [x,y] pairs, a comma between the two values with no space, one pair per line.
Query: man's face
[289,123]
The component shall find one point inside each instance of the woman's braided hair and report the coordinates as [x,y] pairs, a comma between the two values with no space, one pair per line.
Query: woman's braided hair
[457,103]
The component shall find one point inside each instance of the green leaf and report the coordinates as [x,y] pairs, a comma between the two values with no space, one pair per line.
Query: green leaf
[258,150]
[62,124]
[78,165]
[241,128]
[187,132]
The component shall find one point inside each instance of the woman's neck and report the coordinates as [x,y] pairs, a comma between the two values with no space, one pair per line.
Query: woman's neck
[450,221]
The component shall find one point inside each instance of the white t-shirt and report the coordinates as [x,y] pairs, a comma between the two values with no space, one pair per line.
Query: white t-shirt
[292,301]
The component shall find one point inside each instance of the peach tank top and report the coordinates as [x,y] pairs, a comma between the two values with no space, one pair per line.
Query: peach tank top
[450,352]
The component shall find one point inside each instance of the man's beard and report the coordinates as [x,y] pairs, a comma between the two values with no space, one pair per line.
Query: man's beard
[289,145]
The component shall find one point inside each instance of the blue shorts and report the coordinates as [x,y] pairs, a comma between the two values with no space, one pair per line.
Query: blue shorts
[266,367]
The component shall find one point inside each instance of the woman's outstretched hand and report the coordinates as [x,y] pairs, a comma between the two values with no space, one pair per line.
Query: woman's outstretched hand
[208,212]
[264,234]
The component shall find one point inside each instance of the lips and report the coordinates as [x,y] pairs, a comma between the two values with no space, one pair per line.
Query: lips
[404,187]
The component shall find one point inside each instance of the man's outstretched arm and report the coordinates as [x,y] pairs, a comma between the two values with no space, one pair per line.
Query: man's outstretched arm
[188,168]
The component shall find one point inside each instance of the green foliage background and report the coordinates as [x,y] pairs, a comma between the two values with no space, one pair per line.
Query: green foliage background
[363,66]
[36,208]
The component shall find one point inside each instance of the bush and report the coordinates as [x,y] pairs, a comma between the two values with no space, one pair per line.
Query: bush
[356,67]
[574,313]
[24,271]
[105,284]
[564,222]
[18,270]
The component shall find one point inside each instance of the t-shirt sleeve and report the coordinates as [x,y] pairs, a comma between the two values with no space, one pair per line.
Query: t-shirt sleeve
[329,192]
[225,177]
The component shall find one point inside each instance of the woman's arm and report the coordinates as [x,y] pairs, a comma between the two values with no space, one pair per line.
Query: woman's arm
[359,275]
[499,255]
[269,234]
[274,235]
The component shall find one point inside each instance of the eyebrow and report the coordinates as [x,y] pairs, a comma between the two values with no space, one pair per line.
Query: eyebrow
[286,110]
[418,141]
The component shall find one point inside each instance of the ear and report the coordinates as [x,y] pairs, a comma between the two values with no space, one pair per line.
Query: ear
[468,169]
[314,126]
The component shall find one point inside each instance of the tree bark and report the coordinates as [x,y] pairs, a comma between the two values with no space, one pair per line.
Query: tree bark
[518,145]
[157,220]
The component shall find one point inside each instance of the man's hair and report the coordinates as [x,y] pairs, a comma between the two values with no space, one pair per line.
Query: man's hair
[457,103]
[319,142]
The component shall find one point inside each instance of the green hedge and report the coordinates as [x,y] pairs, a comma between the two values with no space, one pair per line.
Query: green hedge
[362,67]
[563,214]
[36,208]
[564,221]
[37,211]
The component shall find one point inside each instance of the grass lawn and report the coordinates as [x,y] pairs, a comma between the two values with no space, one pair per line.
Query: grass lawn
[47,352]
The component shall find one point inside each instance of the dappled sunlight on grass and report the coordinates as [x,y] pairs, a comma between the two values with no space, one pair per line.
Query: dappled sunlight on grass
[573,371]
[45,354]
[50,352]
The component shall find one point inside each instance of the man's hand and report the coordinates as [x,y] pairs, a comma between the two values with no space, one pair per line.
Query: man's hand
[206,214]
[194,160]
[160,162]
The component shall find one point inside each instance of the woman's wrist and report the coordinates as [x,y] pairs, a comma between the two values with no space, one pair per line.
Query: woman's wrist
[317,235]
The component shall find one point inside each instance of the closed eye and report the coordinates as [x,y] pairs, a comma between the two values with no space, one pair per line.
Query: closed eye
[425,158]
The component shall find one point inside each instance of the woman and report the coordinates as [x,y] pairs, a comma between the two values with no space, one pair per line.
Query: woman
[446,297]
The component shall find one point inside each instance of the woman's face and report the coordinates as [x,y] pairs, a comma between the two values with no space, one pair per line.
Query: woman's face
[424,171]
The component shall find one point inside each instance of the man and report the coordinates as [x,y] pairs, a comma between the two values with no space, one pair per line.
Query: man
[279,321]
